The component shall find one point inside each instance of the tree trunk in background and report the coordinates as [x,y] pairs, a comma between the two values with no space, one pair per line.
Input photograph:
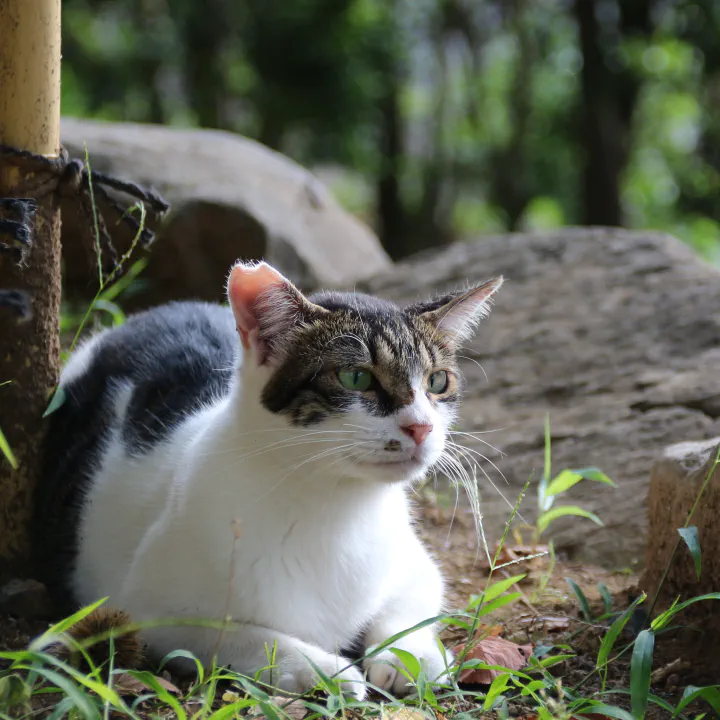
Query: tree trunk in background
[204,37]
[392,229]
[509,187]
[608,101]
[29,352]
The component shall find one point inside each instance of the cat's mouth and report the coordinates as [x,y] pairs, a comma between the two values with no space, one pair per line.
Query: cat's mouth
[399,462]
[392,470]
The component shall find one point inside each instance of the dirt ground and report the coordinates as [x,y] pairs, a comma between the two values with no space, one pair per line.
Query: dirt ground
[550,617]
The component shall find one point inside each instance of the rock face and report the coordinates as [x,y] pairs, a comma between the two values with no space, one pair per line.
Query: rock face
[677,478]
[616,335]
[232,198]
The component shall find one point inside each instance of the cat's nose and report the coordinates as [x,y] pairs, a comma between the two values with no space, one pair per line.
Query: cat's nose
[417,432]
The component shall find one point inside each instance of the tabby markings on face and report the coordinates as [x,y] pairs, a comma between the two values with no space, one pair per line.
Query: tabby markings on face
[384,377]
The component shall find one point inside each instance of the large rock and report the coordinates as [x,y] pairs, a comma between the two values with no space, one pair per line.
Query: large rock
[232,198]
[615,334]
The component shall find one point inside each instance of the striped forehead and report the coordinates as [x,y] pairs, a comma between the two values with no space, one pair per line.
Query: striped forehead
[388,342]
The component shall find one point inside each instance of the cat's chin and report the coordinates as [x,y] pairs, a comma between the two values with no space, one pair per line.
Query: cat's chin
[391,472]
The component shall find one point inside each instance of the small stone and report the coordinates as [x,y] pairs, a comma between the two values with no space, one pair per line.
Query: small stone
[25,598]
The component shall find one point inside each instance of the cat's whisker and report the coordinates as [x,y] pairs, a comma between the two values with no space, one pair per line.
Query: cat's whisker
[323,454]
[281,430]
[470,453]
[473,451]
[291,470]
[282,444]
[484,442]
[466,357]
[455,447]
[450,473]
[471,490]
[361,427]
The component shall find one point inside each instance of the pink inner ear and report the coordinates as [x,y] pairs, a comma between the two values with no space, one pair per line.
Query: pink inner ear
[245,284]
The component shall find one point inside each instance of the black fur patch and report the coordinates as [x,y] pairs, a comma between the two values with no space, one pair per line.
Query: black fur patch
[176,358]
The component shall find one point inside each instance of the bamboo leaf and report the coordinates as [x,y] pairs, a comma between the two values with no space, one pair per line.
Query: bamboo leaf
[710,694]
[664,618]
[596,475]
[690,536]
[408,660]
[6,450]
[495,590]
[58,399]
[640,669]
[548,517]
[584,604]
[544,501]
[606,597]
[564,481]
[611,636]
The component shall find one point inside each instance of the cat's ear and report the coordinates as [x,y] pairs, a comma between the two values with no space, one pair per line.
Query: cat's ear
[266,306]
[457,314]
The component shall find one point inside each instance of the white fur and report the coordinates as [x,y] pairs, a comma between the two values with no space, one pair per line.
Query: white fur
[79,361]
[301,536]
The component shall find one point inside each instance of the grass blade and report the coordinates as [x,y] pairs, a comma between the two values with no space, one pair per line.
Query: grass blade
[606,596]
[564,481]
[664,618]
[56,402]
[547,517]
[690,536]
[80,700]
[710,694]
[640,669]
[49,635]
[6,450]
[596,475]
[408,660]
[600,709]
[495,590]
[611,636]
[580,595]
[544,501]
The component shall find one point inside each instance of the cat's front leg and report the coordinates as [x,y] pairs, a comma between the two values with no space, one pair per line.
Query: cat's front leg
[292,671]
[417,597]
[287,663]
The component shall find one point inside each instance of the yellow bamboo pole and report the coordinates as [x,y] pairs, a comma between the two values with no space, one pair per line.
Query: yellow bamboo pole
[29,352]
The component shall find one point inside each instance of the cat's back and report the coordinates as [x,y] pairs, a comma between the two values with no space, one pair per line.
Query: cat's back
[135,384]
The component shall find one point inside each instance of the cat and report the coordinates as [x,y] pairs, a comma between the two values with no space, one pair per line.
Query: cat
[253,462]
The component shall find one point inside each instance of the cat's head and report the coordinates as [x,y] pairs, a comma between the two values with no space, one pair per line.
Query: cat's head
[380,382]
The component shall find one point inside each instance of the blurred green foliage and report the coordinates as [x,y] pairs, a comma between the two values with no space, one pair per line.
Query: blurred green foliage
[436,119]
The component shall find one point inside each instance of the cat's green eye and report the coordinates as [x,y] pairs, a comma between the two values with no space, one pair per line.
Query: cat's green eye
[356,379]
[438,382]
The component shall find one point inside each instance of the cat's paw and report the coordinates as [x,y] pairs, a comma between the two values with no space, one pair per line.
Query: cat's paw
[382,669]
[296,675]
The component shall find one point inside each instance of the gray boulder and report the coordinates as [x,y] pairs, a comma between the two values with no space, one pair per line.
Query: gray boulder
[232,198]
[616,335]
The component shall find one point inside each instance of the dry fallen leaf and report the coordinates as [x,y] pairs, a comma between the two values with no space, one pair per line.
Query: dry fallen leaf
[494,650]
[125,684]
